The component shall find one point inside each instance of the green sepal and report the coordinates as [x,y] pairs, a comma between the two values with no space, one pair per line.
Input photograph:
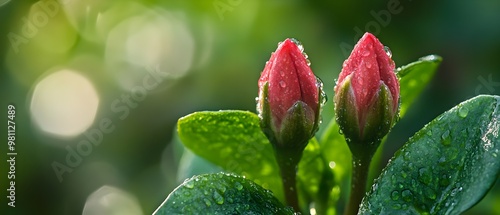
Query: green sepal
[363,140]
[345,111]
[298,125]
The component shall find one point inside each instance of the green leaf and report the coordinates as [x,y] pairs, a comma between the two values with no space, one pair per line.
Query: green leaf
[221,193]
[414,77]
[446,167]
[232,140]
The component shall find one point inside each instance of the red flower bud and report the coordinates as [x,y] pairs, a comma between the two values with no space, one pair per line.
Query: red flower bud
[289,96]
[367,92]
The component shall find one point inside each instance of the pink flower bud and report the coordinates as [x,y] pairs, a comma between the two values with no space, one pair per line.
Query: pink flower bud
[289,95]
[367,92]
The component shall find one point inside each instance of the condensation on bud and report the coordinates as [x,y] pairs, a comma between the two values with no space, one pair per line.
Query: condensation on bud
[290,98]
[366,95]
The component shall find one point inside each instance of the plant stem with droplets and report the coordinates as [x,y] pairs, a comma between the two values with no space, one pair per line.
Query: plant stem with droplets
[288,170]
[360,168]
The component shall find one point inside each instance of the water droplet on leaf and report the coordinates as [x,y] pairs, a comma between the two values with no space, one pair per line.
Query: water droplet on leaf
[429,132]
[463,111]
[218,198]
[189,184]
[445,138]
[238,186]
[395,195]
[406,156]
[425,176]
[207,202]
[429,193]
[442,160]
[400,185]
[403,173]
[407,195]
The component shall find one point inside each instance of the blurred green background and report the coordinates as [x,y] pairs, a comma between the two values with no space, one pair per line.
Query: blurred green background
[120,73]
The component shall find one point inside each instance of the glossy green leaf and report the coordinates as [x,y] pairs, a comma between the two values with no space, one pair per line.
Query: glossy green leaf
[446,167]
[414,77]
[221,193]
[232,140]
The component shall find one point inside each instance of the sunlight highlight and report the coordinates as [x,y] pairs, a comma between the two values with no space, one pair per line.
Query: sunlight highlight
[64,103]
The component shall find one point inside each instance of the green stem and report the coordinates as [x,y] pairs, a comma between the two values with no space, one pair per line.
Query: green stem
[288,170]
[360,168]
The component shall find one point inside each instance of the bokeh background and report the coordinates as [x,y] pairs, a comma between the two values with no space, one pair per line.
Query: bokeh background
[120,73]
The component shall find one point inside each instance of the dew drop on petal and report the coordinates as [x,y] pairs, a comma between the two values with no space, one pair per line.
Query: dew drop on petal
[299,45]
[388,51]
[282,84]
[305,55]
[368,64]
[366,53]
[282,74]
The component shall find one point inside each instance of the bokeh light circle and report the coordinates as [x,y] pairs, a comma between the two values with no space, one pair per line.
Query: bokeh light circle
[113,201]
[64,103]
